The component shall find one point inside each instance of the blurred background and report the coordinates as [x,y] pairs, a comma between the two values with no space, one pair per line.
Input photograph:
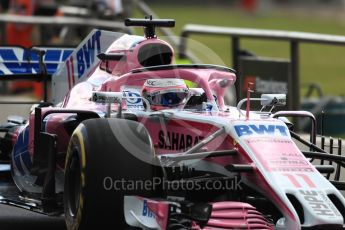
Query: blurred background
[321,69]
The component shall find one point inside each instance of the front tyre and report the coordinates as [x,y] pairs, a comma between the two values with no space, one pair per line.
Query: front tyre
[102,166]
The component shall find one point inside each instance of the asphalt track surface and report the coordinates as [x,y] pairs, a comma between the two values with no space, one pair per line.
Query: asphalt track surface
[13,218]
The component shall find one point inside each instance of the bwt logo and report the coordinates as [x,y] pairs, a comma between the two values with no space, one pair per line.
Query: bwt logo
[246,130]
[86,54]
[147,212]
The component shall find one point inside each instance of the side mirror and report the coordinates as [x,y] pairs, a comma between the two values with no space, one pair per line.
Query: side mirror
[273,100]
[108,98]
[115,97]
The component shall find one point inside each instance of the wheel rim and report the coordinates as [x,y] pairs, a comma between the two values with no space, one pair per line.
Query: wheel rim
[74,184]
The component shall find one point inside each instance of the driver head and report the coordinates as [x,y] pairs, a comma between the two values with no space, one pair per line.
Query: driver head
[165,93]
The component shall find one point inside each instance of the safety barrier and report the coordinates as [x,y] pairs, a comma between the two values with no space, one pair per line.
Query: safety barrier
[235,34]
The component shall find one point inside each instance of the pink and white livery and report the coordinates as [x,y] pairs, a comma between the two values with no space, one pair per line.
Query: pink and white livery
[132,140]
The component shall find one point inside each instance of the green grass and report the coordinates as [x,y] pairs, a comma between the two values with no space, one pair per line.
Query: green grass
[321,64]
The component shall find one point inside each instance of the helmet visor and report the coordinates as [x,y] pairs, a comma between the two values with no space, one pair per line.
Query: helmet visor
[169,99]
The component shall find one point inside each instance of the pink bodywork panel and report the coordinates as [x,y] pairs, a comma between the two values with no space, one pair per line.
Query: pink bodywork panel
[236,215]
[279,155]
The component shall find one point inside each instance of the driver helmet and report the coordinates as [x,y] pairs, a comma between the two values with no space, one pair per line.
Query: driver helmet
[165,93]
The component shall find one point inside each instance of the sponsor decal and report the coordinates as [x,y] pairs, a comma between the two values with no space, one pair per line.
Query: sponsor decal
[87,53]
[70,72]
[248,130]
[133,99]
[164,82]
[279,155]
[151,82]
[21,155]
[271,140]
[291,169]
[207,106]
[177,141]
[106,97]
[146,211]
[320,203]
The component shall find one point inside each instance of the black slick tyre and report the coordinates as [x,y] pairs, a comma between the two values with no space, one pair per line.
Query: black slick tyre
[103,152]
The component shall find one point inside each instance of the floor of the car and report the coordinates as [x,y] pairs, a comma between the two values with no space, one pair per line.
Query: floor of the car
[9,193]
[8,190]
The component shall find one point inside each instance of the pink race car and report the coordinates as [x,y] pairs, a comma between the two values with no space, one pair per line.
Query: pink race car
[132,140]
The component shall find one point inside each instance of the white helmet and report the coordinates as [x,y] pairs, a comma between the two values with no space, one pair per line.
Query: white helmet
[165,93]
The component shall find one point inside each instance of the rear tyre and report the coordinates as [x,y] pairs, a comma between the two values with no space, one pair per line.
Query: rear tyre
[101,169]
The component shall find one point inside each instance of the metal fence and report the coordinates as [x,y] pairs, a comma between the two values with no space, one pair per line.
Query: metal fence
[61,21]
[81,22]
[235,34]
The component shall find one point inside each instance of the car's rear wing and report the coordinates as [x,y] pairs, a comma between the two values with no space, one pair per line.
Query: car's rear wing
[32,64]
[19,60]
[82,62]
[64,67]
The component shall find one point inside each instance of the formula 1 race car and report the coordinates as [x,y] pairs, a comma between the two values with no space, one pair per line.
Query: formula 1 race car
[131,140]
